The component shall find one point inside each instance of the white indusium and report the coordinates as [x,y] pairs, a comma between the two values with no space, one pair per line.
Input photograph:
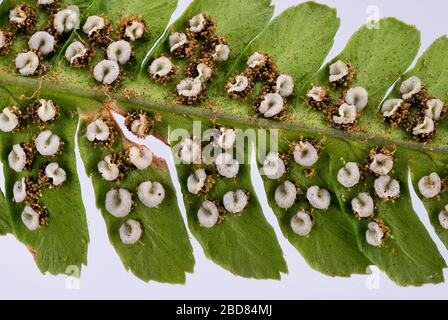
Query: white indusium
[106,71]
[45,2]
[2,39]
[204,72]
[271,105]
[226,139]
[357,96]
[382,164]
[108,170]
[135,30]
[284,85]
[160,67]
[27,63]
[17,15]
[47,143]
[390,107]
[208,214]
[190,151]
[273,166]
[140,156]
[197,23]
[256,59]
[319,198]
[8,120]
[430,186]
[317,93]
[387,187]
[189,87]
[46,110]
[363,205]
[93,24]
[74,51]
[347,114]
[140,125]
[434,109]
[177,40]
[130,231]
[196,181]
[338,70]
[19,190]
[55,173]
[305,154]
[302,223]
[222,52]
[443,218]
[98,130]
[410,87]
[118,202]
[374,234]
[285,195]
[66,20]
[151,193]
[349,175]
[241,83]
[119,51]
[30,218]
[226,165]
[235,201]
[42,42]
[425,127]
[17,158]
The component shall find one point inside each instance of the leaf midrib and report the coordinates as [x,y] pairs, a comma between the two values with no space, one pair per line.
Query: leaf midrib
[99,95]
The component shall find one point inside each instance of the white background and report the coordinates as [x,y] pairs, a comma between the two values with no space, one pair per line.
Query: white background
[106,278]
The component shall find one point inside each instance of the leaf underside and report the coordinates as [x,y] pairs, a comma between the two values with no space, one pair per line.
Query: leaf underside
[299,40]
[164,253]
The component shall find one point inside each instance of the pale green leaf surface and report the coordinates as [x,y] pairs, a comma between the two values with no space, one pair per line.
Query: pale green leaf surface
[331,247]
[432,69]
[423,164]
[379,57]
[238,21]
[245,243]
[298,39]
[409,257]
[156,14]
[164,252]
[4,216]
[20,42]
[5,225]
[63,242]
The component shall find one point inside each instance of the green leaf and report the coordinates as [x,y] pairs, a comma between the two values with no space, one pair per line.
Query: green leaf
[155,13]
[20,43]
[164,252]
[5,224]
[432,162]
[243,243]
[432,69]
[4,216]
[379,57]
[409,257]
[238,21]
[298,39]
[331,247]
[62,243]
